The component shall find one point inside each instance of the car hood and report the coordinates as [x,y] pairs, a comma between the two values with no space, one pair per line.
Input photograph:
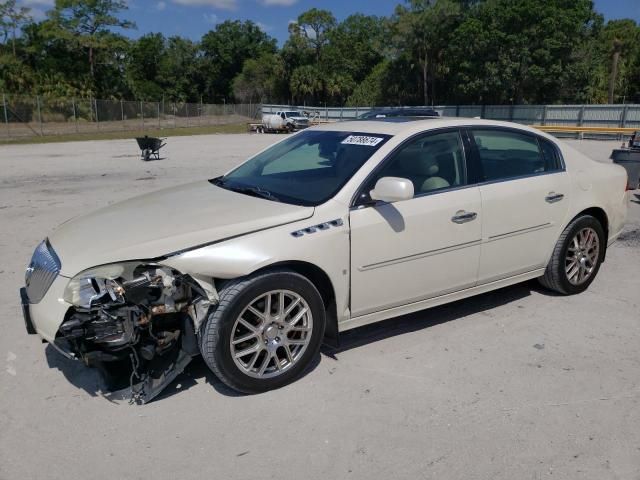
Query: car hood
[166,221]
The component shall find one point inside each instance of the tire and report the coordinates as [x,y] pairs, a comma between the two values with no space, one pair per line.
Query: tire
[146,155]
[561,275]
[222,335]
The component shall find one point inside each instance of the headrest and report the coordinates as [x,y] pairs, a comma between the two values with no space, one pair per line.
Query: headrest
[439,146]
[419,163]
[433,183]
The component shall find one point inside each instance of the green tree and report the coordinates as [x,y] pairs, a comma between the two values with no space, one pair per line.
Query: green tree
[306,84]
[422,30]
[59,69]
[158,68]
[338,87]
[371,91]
[12,18]
[633,89]
[179,70]
[331,57]
[449,51]
[315,26]
[143,65]
[294,53]
[518,51]
[87,25]
[355,46]
[621,39]
[15,76]
[225,50]
[261,79]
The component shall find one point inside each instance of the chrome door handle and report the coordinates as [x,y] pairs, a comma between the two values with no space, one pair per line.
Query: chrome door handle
[463,217]
[553,197]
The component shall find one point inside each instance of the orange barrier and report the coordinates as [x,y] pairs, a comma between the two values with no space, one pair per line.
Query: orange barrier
[580,130]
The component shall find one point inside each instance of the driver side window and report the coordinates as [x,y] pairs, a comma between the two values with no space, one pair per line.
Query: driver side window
[432,162]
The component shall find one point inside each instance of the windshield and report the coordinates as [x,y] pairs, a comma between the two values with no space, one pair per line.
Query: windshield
[306,169]
[293,114]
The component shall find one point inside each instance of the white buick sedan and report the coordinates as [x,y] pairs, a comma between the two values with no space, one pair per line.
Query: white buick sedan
[332,228]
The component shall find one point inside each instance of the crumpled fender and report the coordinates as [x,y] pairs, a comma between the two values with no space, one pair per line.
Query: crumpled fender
[326,248]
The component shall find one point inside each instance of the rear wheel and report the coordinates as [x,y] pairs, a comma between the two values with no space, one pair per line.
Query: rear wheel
[577,257]
[265,331]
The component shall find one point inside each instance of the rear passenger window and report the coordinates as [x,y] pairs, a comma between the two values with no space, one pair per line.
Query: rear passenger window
[504,154]
[550,155]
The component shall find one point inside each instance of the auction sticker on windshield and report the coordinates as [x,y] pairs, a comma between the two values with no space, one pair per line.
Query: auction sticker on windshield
[362,140]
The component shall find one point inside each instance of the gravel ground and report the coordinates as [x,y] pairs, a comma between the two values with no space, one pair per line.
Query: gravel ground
[515,384]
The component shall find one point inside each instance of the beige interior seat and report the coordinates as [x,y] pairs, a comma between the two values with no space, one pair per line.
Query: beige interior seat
[421,167]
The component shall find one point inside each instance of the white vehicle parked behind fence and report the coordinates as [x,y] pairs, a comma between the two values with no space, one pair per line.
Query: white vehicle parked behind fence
[284,121]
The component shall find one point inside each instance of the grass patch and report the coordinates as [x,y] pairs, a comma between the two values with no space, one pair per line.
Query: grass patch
[116,135]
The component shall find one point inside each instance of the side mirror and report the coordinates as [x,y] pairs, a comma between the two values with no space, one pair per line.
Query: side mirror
[392,189]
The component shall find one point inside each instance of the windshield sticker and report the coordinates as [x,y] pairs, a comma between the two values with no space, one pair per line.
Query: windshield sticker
[362,140]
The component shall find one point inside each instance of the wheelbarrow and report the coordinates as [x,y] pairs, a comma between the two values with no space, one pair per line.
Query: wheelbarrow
[150,147]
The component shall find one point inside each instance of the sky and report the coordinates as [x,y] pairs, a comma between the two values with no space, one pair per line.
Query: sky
[193,18]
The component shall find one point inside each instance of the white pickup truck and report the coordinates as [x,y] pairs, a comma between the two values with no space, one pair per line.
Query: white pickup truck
[284,121]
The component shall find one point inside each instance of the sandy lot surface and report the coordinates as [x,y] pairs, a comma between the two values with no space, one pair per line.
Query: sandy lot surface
[515,384]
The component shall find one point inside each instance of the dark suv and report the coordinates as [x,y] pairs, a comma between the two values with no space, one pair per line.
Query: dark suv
[398,112]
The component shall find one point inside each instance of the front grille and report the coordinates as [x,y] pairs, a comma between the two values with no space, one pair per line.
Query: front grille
[42,271]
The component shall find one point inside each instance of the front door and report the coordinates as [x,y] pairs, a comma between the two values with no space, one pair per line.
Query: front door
[408,251]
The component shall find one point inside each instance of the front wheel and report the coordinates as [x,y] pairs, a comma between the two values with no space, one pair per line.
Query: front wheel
[264,332]
[576,257]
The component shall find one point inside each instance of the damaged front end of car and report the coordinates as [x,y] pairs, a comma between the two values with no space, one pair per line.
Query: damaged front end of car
[136,323]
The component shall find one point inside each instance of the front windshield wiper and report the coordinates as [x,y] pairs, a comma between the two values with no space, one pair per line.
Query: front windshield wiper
[247,190]
[256,192]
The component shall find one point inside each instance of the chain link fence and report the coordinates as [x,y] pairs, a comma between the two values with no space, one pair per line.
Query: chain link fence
[24,116]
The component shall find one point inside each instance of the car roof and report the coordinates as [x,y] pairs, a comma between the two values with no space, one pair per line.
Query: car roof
[410,126]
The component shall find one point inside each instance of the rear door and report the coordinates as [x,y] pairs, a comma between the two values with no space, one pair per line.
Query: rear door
[524,190]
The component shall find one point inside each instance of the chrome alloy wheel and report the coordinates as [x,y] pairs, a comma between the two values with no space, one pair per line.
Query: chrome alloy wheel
[582,256]
[271,334]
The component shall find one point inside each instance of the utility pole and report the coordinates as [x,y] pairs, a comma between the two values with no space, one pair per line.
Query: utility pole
[39,114]
[6,115]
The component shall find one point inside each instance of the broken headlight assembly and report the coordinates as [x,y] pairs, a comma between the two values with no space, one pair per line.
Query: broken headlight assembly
[135,322]
[91,284]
